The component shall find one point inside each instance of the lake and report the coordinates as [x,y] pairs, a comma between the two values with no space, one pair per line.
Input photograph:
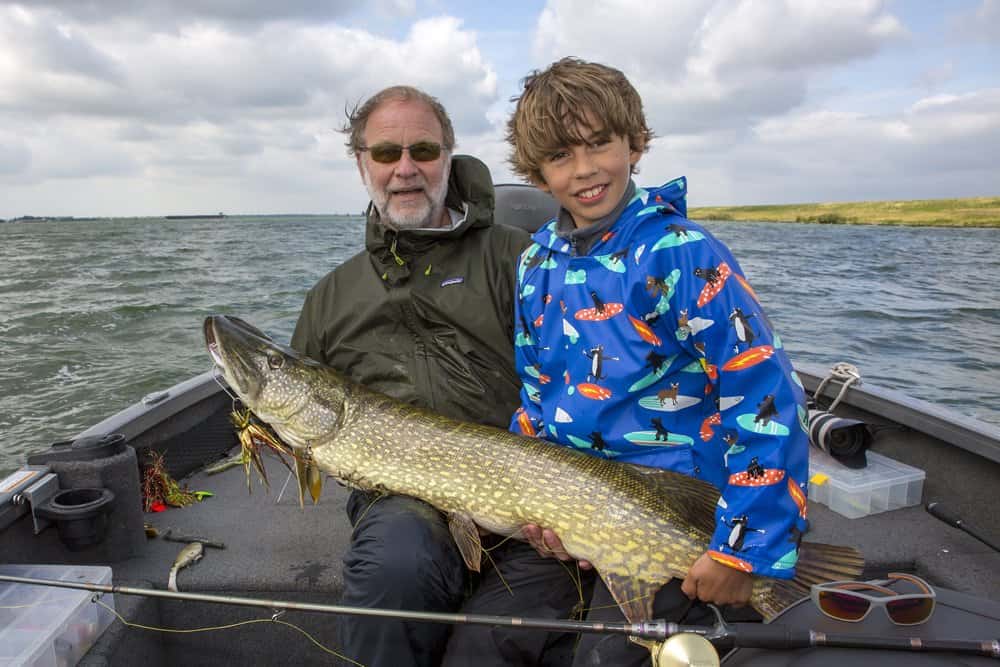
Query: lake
[96,314]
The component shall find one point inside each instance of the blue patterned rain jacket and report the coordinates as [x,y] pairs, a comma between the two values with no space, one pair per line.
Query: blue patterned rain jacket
[654,349]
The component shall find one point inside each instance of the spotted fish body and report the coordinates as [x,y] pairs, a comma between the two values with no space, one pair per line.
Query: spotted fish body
[639,527]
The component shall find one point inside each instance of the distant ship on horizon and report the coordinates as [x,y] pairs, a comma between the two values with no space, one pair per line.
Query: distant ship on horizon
[204,216]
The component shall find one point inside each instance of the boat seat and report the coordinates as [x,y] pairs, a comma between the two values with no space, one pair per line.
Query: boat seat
[523,206]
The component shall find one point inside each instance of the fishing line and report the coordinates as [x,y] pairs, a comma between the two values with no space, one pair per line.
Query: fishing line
[96,598]
[355,524]
[496,568]
[487,550]
[616,605]
[579,609]
[30,605]
[750,635]
[283,487]
[225,387]
[577,580]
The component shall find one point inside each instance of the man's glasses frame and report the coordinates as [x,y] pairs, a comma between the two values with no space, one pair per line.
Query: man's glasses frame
[844,601]
[388,152]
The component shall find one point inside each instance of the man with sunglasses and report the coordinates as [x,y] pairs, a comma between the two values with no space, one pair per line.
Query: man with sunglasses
[425,314]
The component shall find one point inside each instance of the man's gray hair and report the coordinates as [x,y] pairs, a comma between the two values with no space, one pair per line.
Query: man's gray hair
[357,118]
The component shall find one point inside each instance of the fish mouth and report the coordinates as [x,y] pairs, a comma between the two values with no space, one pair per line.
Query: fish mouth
[226,338]
[219,327]
[212,342]
[237,349]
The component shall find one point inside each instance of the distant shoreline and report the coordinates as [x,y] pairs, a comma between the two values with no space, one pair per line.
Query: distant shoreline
[969,212]
[210,216]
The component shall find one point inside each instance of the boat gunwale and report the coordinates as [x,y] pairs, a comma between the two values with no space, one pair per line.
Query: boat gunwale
[945,424]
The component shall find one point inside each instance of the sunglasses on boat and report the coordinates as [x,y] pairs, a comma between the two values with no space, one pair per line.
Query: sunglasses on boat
[844,601]
[387,153]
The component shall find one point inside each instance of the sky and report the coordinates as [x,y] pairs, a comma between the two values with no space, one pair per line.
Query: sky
[157,107]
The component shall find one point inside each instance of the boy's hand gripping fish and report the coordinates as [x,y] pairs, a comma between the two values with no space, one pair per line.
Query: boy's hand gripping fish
[638,526]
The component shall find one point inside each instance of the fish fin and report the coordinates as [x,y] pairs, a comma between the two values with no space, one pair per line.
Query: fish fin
[696,505]
[466,534]
[634,596]
[817,563]
[172,580]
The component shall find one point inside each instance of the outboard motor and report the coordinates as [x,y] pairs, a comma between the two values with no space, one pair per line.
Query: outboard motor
[99,505]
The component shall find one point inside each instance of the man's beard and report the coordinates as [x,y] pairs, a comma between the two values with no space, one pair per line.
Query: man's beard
[428,215]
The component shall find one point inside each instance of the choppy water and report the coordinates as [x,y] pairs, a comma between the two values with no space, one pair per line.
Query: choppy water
[94,315]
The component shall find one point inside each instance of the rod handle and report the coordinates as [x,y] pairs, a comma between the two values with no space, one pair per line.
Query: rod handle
[942,513]
[953,520]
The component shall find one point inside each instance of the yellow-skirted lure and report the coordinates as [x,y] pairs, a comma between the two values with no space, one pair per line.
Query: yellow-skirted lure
[254,435]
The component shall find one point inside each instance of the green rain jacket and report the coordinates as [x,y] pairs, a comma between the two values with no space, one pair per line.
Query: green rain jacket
[427,317]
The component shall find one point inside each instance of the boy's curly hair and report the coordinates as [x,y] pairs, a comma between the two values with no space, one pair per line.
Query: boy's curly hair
[555,103]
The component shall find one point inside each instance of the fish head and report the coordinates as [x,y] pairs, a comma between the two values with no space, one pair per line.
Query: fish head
[300,398]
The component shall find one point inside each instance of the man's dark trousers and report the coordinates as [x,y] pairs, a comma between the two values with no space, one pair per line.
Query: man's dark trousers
[401,556]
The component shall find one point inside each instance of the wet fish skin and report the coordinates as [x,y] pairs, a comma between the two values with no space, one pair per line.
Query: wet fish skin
[189,554]
[639,527]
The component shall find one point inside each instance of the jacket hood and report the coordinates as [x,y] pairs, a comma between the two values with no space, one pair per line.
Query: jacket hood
[470,191]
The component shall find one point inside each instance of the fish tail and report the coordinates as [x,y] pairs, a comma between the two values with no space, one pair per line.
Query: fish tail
[172,580]
[817,563]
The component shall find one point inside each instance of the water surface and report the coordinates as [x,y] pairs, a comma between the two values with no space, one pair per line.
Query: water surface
[96,314]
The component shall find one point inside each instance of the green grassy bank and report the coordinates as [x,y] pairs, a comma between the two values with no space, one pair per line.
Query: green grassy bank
[971,212]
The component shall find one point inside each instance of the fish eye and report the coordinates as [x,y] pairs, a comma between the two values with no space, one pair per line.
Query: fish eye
[275,360]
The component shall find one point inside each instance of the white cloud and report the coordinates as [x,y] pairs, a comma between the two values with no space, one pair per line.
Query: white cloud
[935,148]
[118,107]
[777,36]
[708,65]
[166,15]
[211,102]
[727,86]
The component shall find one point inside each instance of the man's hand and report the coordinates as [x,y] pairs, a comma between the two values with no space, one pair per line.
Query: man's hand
[548,544]
[710,581]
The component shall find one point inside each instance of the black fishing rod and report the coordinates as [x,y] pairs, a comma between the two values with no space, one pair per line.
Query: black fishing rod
[938,511]
[721,637]
[655,630]
[727,636]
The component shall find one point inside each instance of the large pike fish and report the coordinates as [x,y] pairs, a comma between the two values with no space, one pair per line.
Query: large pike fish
[639,526]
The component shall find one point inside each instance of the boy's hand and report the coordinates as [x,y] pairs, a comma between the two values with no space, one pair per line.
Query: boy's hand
[710,581]
[548,544]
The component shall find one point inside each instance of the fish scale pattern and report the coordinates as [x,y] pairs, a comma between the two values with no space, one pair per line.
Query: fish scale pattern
[639,527]
[605,512]
[630,525]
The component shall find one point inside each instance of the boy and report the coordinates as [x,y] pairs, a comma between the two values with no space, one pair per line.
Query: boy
[639,338]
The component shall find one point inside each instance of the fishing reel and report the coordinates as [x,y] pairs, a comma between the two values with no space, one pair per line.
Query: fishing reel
[685,649]
[686,646]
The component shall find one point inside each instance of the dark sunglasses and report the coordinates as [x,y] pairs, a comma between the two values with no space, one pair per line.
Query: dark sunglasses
[422,151]
[843,600]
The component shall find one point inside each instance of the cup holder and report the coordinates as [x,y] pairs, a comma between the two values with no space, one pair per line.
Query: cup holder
[80,515]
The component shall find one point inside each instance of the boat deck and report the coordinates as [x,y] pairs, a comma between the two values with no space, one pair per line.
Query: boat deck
[276,550]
